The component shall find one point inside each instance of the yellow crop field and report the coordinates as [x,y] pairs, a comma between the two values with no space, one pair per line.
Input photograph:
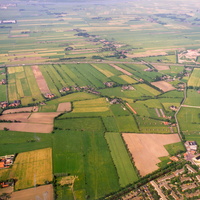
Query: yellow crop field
[11,70]
[19,69]
[194,78]
[128,79]
[100,102]
[90,109]
[31,168]
[104,71]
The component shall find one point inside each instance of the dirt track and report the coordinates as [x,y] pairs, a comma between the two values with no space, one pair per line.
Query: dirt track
[147,148]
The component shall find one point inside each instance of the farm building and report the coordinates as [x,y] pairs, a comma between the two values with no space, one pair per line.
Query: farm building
[6,161]
[64,89]
[15,103]
[3,104]
[191,145]
[109,84]
[49,96]
[3,82]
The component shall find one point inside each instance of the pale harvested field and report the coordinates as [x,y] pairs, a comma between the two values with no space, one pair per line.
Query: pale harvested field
[40,80]
[121,70]
[40,193]
[64,107]
[163,85]
[147,148]
[43,118]
[28,127]
[17,116]
[18,110]
[161,67]
[34,122]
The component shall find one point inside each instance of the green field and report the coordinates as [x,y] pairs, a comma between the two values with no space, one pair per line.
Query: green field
[175,148]
[189,120]
[80,124]
[125,169]
[194,78]
[75,44]
[86,155]
[192,98]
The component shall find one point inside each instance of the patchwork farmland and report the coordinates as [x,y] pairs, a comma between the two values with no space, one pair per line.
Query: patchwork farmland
[114,90]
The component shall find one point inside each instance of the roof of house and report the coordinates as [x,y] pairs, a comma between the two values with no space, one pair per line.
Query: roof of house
[1,164]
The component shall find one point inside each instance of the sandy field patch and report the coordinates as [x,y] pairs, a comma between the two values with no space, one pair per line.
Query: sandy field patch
[43,118]
[64,107]
[121,70]
[161,67]
[147,148]
[17,116]
[42,192]
[40,80]
[18,110]
[28,127]
[163,85]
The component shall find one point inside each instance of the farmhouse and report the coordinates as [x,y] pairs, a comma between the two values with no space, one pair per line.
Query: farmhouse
[109,84]
[3,104]
[128,87]
[6,161]
[3,82]
[49,95]
[174,108]
[115,101]
[15,103]
[65,89]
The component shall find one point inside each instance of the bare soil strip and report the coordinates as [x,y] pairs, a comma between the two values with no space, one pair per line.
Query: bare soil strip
[64,107]
[147,148]
[19,110]
[161,67]
[42,192]
[43,118]
[34,122]
[163,85]
[40,80]
[23,117]
[121,70]
[162,112]
[157,112]
[131,108]
[27,127]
